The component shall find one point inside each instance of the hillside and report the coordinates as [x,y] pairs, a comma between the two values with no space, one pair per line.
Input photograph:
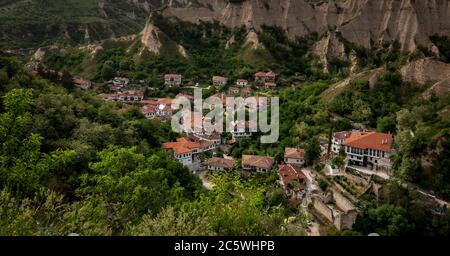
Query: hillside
[362,22]
[33,23]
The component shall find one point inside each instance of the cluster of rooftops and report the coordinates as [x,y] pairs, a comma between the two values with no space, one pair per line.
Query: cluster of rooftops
[376,145]
[266,78]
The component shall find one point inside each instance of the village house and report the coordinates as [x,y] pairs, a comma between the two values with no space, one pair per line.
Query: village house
[149,111]
[233,90]
[294,156]
[241,82]
[371,149]
[261,164]
[185,150]
[109,96]
[220,164]
[117,83]
[270,86]
[160,108]
[337,141]
[214,137]
[160,111]
[242,129]
[219,80]
[294,181]
[172,79]
[265,77]
[131,96]
[82,83]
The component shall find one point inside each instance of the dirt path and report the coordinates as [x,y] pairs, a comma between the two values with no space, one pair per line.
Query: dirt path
[206,183]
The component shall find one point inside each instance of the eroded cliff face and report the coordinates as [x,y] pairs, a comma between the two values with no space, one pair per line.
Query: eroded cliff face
[426,71]
[150,38]
[330,46]
[364,22]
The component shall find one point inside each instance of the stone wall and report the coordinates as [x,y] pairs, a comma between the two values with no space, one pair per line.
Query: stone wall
[323,209]
[342,202]
[342,218]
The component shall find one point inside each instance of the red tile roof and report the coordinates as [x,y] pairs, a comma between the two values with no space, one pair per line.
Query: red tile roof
[370,140]
[158,101]
[181,146]
[341,135]
[292,175]
[221,162]
[295,153]
[264,162]
[149,109]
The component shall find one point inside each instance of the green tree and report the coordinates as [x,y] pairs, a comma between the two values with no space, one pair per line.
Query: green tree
[312,151]
[24,169]
[108,71]
[338,162]
[387,219]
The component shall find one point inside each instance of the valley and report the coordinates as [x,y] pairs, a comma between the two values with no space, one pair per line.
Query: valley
[86,108]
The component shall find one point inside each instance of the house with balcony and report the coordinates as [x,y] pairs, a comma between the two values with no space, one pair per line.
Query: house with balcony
[185,150]
[369,149]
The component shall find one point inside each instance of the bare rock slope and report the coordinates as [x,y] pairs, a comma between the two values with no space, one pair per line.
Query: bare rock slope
[411,22]
[428,71]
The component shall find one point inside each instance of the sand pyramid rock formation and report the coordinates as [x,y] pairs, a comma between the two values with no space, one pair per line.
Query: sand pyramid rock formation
[363,22]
